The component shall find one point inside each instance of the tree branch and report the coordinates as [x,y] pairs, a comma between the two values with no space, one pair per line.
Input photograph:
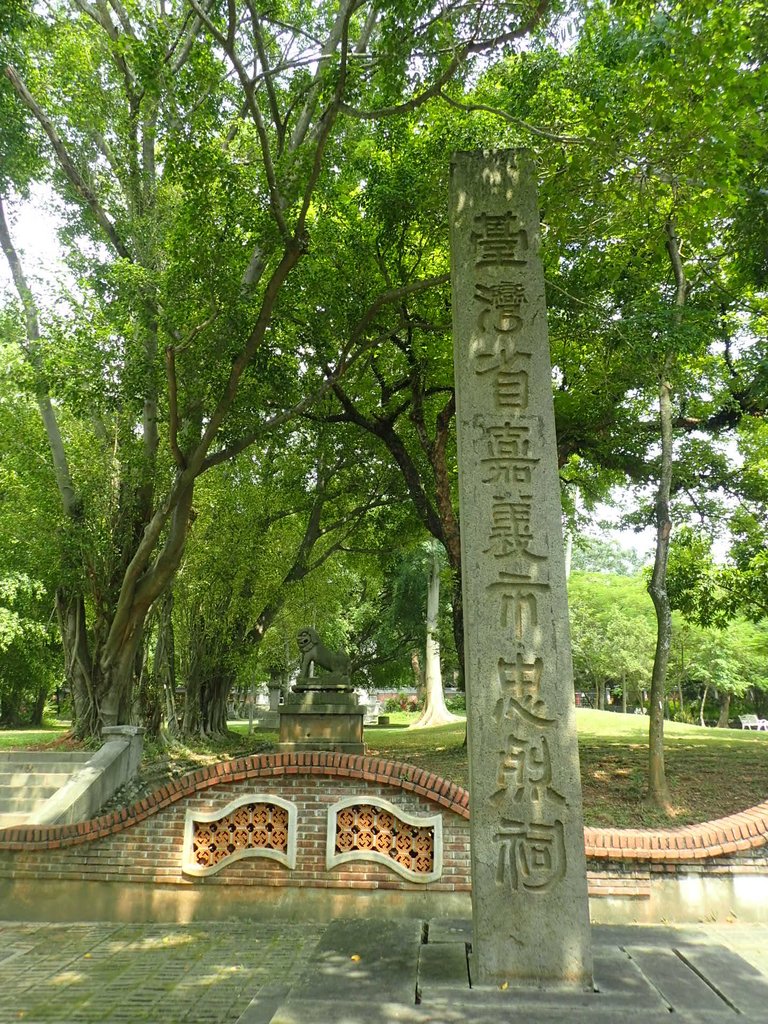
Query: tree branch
[332,378]
[249,91]
[173,408]
[70,499]
[264,61]
[67,164]
[518,122]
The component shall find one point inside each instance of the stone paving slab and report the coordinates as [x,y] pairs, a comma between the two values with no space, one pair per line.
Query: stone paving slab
[360,972]
[367,957]
[387,1012]
[206,973]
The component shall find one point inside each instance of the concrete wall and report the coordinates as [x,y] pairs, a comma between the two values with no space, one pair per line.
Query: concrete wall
[97,781]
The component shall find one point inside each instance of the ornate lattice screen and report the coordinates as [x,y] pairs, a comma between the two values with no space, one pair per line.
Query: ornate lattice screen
[254,826]
[363,830]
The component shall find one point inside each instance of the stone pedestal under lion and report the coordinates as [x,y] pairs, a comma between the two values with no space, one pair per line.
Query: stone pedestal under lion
[322,711]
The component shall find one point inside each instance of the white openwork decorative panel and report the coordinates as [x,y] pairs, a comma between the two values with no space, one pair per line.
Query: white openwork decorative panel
[360,828]
[257,825]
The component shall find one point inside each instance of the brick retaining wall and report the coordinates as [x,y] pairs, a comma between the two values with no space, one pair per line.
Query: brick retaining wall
[143,843]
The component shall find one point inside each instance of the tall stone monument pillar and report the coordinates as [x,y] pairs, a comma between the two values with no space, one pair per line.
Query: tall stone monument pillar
[529,889]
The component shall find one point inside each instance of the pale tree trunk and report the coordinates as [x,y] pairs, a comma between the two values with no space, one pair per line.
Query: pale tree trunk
[434,712]
[624,693]
[701,705]
[418,675]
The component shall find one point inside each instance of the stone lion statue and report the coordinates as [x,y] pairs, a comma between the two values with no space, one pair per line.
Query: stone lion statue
[314,654]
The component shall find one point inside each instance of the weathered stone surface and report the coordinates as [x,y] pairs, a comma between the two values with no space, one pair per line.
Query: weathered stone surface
[315,655]
[322,720]
[530,909]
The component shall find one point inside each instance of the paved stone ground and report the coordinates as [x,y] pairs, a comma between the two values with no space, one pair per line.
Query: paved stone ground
[130,973]
[361,972]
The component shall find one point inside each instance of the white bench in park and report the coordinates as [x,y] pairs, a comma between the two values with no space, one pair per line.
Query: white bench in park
[753,722]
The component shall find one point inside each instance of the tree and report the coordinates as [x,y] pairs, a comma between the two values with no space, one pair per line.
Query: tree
[612,632]
[31,557]
[28,655]
[639,254]
[199,149]
[434,711]
[591,554]
[730,662]
[299,503]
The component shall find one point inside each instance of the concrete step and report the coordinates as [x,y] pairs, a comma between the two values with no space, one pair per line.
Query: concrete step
[22,792]
[10,818]
[19,805]
[34,790]
[20,754]
[54,779]
[31,761]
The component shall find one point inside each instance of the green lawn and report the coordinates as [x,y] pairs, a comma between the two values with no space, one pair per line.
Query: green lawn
[711,772]
[27,739]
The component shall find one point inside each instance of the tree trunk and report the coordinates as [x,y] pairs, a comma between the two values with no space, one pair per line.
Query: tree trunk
[78,666]
[680,700]
[624,693]
[192,721]
[457,615]
[418,675]
[38,706]
[434,712]
[165,664]
[117,700]
[701,705]
[214,704]
[157,678]
[207,690]
[658,793]
[9,709]
[725,708]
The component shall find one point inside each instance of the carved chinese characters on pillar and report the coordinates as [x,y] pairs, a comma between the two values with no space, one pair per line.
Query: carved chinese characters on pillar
[531,852]
[529,894]
[531,855]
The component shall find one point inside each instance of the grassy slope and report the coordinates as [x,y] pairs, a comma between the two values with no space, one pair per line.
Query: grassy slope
[711,772]
[28,739]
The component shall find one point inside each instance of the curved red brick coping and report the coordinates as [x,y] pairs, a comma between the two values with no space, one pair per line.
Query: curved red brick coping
[734,834]
[259,766]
